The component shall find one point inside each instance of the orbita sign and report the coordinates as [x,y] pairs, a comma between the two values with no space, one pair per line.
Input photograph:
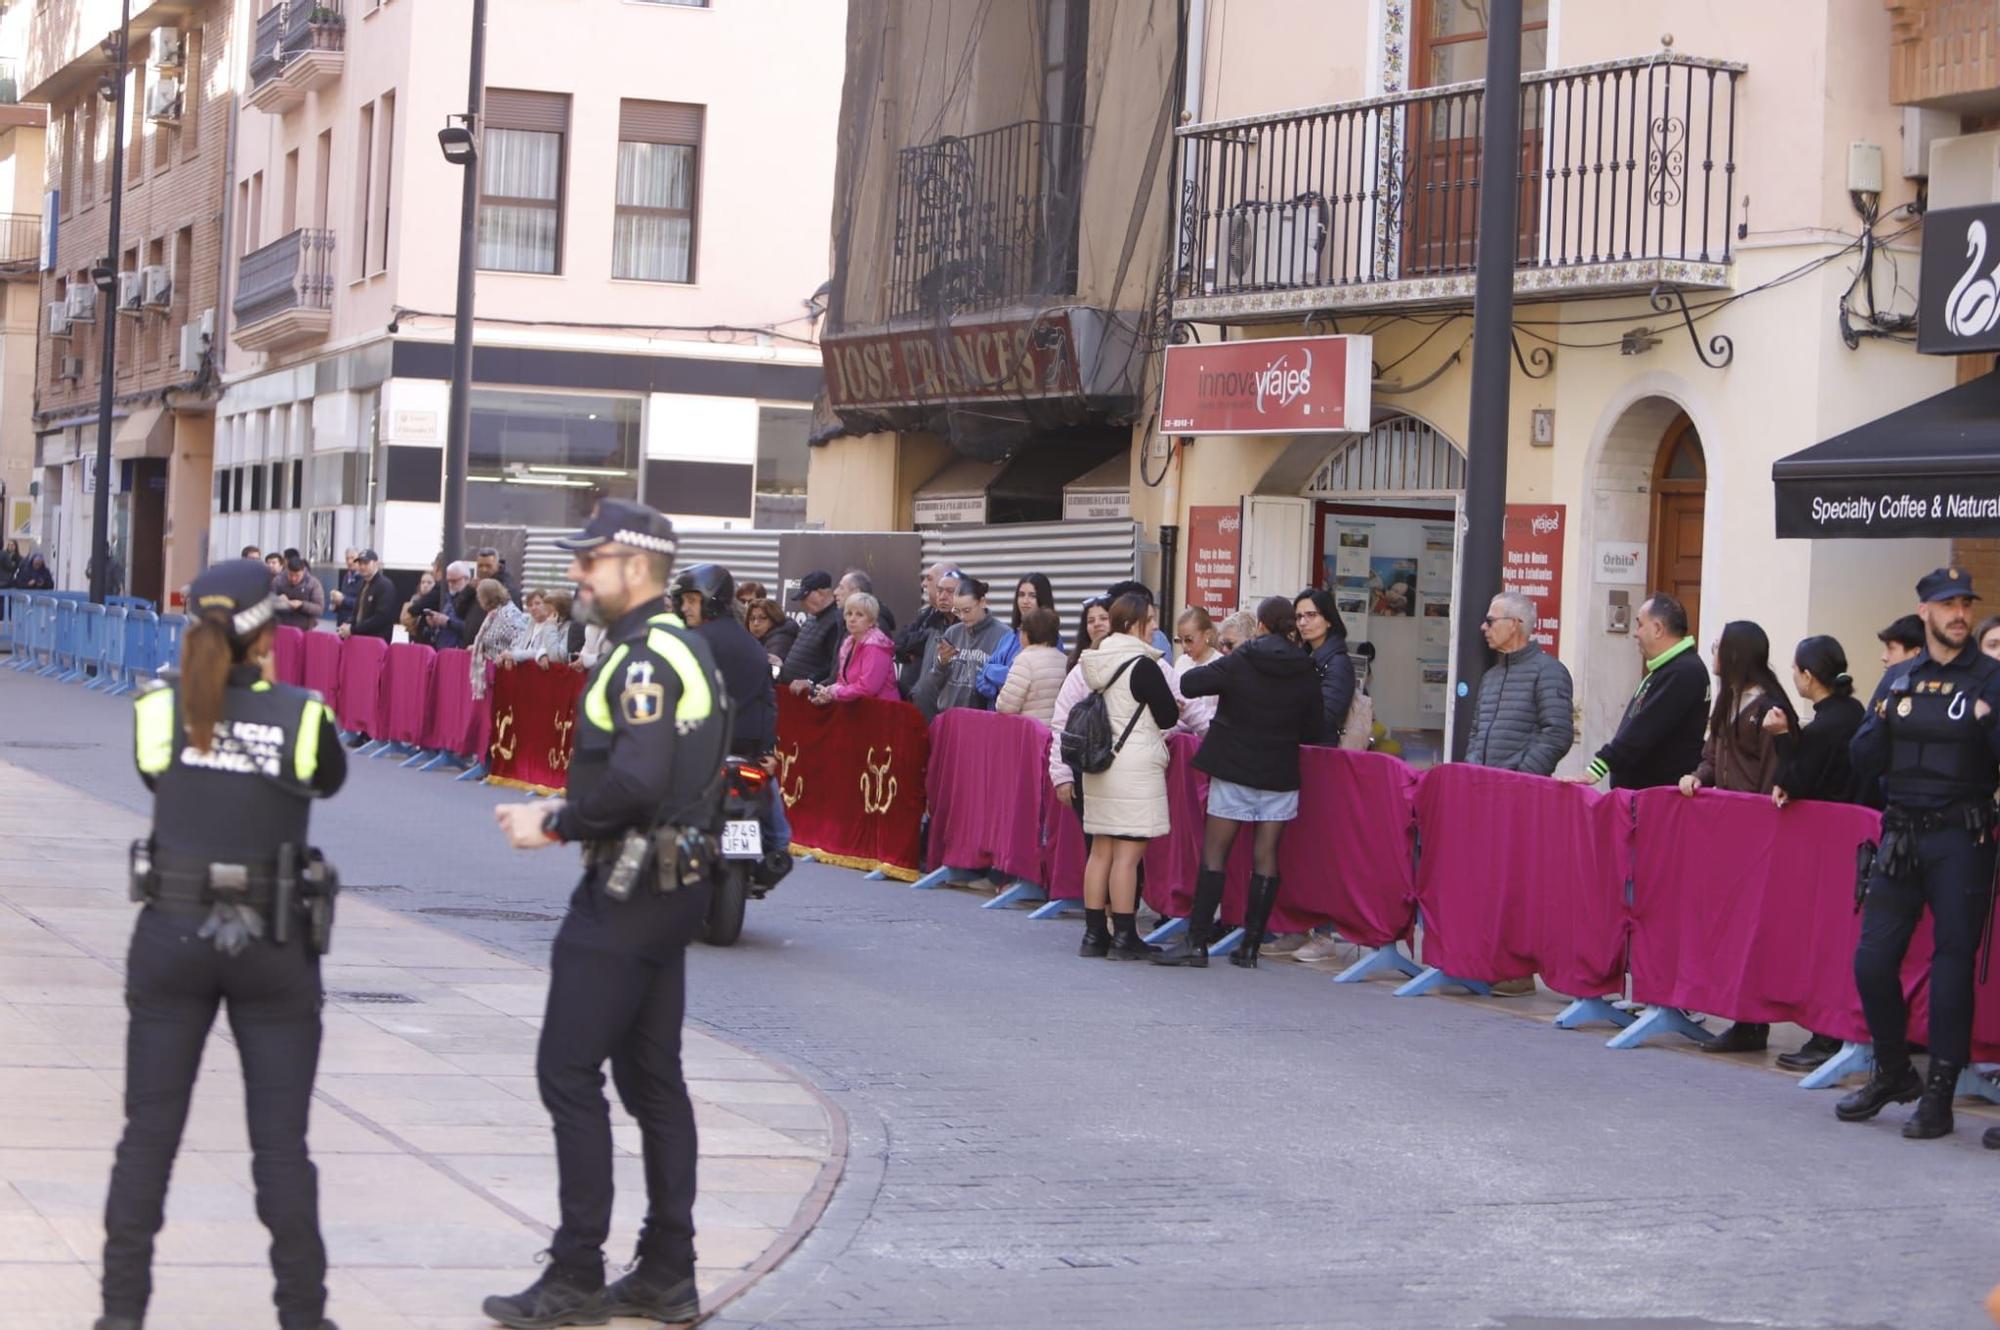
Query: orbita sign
[1275,385]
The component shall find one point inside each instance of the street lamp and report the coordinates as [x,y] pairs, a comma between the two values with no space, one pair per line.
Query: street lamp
[118,48]
[459,141]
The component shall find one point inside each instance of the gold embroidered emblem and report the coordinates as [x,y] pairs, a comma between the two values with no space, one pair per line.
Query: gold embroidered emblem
[878,787]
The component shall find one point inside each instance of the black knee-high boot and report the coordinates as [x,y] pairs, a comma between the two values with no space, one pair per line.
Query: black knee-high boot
[1257,914]
[1191,947]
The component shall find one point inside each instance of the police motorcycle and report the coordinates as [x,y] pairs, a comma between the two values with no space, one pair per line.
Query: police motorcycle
[736,881]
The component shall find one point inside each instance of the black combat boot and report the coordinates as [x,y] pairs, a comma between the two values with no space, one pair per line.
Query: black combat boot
[1742,1037]
[1126,944]
[1990,1138]
[561,1296]
[1096,938]
[1894,1081]
[1933,1116]
[1256,916]
[653,1292]
[1191,947]
[119,1323]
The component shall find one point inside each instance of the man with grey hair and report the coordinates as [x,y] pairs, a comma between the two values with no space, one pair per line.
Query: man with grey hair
[1522,719]
[916,646]
[856,582]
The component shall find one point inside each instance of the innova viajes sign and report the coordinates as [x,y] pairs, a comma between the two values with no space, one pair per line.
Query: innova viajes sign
[1268,385]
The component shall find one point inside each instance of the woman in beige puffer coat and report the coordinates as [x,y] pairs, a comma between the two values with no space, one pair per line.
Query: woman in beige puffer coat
[1125,805]
[1035,679]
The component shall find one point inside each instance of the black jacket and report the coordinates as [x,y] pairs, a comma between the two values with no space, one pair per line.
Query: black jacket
[813,655]
[746,677]
[1660,738]
[1818,766]
[917,644]
[376,608]
[1271,702]
[1336,688]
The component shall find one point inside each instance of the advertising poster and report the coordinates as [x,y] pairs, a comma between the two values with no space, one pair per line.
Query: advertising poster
[1215,538]
[1392,586]
[1531,563]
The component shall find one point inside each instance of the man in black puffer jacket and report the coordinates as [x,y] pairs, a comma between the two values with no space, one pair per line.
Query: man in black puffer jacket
[1522,719]
[812,656]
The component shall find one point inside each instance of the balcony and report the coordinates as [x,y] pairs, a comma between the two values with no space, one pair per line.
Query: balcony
[1627,181]
[986,220]
[284,292]
[1944,54]
[20,245]
[300,46]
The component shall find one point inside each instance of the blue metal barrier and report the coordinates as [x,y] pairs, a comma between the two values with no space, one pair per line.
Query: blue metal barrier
[167,642]
[86,642]
[110,655]
[13,612]
[61,615]
[129,603]
[28,635]
[138,658]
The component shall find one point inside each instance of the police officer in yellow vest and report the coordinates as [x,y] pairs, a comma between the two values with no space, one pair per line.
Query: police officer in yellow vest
[237,912]
[644,802]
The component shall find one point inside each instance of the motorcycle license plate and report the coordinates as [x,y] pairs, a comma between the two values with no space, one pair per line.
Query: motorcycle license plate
[742,840]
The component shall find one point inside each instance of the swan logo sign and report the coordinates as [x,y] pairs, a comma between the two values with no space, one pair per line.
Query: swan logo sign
[1275,385]
[1958,292]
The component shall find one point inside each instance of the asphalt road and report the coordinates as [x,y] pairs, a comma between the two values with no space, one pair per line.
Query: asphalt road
[1038,1140]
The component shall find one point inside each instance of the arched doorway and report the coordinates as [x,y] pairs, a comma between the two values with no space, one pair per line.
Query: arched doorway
[1680,501]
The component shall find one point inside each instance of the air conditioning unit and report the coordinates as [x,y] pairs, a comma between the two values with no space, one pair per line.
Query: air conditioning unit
[129,292]
[1276,244]
[159,286]
[83,303]
[169,48]
[196,338]
[71,368]
[59,318]
[163,102]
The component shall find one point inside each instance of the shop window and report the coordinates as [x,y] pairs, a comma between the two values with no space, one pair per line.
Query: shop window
[545,459]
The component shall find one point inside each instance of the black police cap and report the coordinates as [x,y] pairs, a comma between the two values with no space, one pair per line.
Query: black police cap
[239,589]
[623,522]
[1946,584]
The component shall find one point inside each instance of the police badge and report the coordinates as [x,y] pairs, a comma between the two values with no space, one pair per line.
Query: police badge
[1903,707]
[643,700]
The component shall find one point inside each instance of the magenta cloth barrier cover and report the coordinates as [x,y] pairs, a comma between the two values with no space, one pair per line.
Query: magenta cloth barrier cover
[288,656]
[360,706]
[453,712]
[321,670]
[1062,849]
[406,692]
[986,785]
[1173,860]
[1743,910]
[1523,875]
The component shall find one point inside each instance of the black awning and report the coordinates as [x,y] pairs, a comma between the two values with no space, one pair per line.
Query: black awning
[1930,469]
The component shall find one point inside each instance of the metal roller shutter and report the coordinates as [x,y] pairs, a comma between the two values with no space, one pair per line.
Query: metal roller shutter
[659,122]
[509,108]
[1081,559]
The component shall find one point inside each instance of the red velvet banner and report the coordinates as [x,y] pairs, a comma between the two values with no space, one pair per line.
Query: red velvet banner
[406,692]
[288,656]
[853,779]
[1522,875]
[321,670]
[534,725]
[360,703]
[986,784]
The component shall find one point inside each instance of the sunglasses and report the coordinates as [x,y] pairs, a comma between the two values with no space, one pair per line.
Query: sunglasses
[1492,619]
[1187,641]
[1225,646]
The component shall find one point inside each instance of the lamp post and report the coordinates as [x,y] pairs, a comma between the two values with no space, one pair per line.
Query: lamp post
[1479,575]
[105,277]
[460,141]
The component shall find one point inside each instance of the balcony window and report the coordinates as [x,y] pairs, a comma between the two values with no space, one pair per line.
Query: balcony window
[658,153]
[521,182]
[1451,40]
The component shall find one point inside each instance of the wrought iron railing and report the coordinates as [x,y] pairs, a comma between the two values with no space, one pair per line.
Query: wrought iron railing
[10,78]
[986,218]
[295,272]
[1632,159]
[290,28]
[20,239]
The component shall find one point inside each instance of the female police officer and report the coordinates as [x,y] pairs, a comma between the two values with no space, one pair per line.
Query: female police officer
[236,910]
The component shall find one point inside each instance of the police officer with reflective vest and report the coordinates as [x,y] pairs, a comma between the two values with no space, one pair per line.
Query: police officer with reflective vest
[644,803]
[1933,742]
[238,911]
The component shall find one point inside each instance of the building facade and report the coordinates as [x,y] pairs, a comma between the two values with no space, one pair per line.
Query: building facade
[1693,301]
[166,283]
[23,130]
[654,186]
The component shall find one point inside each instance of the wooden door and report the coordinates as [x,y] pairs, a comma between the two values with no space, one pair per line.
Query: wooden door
[1680,501]
[1439,187]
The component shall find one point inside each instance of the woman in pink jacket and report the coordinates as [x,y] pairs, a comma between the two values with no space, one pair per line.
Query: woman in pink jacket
[867,666]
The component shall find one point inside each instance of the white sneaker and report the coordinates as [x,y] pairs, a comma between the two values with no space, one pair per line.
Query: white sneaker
[1323,947]
[1284,944]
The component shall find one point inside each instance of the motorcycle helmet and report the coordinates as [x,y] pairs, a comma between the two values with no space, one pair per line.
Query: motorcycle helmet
[710,581]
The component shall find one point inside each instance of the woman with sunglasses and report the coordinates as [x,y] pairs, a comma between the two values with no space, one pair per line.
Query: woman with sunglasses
[1237,629]
[1195,643]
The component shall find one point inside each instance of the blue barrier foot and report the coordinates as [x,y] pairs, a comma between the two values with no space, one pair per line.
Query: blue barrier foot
[477,771]
[1227,943]
[385,748]
[442,758]
[1168,930]
[1382,960]
[418,757]
[1976,1082]
[1432,979]
[1658,1021]
[1851,1058]
[877,876]
[1022,890]
[1055,908]
[1588,1011]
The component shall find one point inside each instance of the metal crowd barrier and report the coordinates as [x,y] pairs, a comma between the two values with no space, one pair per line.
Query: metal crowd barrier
[110,648]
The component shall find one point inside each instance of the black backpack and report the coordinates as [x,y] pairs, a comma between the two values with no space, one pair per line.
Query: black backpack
[1086,736]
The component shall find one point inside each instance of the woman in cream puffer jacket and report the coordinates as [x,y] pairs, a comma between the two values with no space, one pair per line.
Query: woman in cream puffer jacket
[1036,677]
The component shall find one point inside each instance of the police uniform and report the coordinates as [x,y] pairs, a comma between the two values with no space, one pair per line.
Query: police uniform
[651,735]
[225,923]
[1938,761]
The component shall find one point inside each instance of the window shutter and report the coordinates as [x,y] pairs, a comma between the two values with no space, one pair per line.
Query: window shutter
[546,112]
[659,122]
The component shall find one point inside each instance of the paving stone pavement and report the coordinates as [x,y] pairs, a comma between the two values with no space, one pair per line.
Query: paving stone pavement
[437,1182]
[1037,1140]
